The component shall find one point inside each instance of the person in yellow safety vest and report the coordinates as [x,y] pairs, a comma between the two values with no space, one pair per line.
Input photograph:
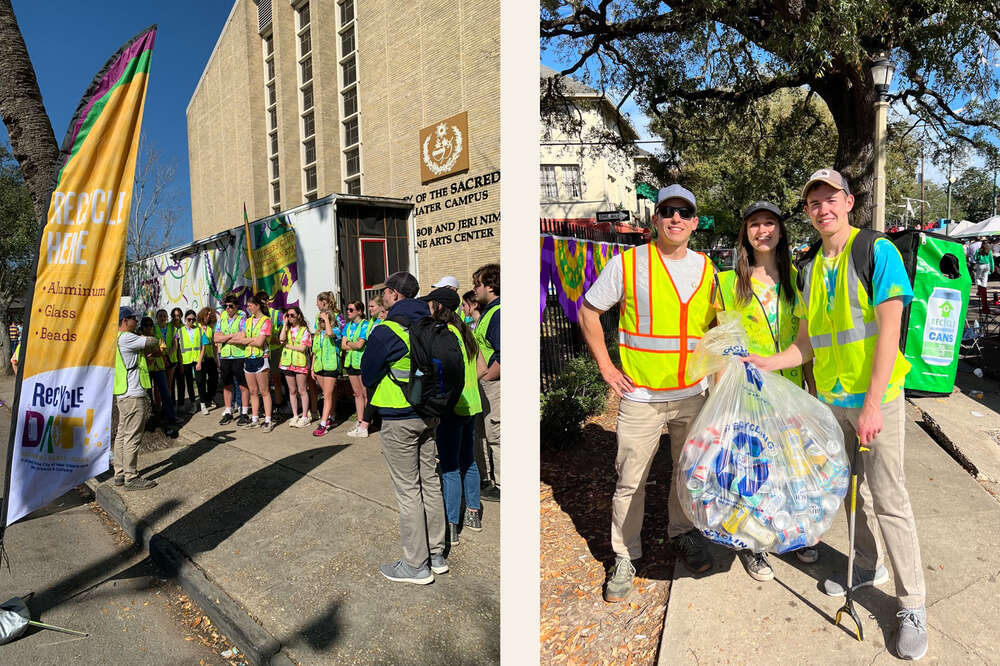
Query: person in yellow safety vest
[859,370]
[355,333]
[470,308]
[206,372]
[166,332]
[486,285]
[256,336]
[668,302]
[177,322]
[456,434]
[227,334]
[325,357]
[156,363]
[762,289]
[189,339]
[408,445]
[376,317]
[296,340]
[275,310]
[14,356]
[131,383]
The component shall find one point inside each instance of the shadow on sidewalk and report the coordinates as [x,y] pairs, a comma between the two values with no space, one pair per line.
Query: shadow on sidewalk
[186,455]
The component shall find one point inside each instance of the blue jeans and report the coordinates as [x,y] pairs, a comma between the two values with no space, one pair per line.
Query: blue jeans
[159,378]
[237,397]
[455,440]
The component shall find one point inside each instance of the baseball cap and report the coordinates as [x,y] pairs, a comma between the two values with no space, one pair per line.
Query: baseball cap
[447,281]
[445,296]
[675,191]
[828,176]
[758,206]
[402,282]
[125,312]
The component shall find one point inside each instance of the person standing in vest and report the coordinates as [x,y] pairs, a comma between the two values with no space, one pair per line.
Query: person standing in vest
[177,325]
[376,315]
[326,358]
[408,444]
[256,337]
[189,339]
[296,339]
[231,353]
[206,372]
[353,344]
[486,284]
[762,289]
[274,351]
[166,332]
[131,383]
[666,294]
[851,331]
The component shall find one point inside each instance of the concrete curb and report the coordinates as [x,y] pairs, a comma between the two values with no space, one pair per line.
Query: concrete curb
[259,646]
[945,442]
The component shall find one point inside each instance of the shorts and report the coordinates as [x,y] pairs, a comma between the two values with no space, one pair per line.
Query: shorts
[232,369]
[290,372]
[327,373]
[255,365]
[353,371]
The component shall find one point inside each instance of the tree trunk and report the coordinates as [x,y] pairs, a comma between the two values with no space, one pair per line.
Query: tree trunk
[6,346]
[23,112]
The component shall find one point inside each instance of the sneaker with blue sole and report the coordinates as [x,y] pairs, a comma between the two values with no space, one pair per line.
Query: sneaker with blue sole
[401,572]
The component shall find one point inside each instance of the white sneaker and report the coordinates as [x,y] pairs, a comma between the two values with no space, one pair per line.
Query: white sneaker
[204,409]
[305,420]
[353,432]
[361,432]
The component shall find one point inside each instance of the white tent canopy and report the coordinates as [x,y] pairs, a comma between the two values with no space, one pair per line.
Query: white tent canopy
[959,227]
[988,227]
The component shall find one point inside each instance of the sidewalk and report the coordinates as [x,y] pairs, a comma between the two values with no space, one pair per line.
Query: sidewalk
[282,535]
[727,617]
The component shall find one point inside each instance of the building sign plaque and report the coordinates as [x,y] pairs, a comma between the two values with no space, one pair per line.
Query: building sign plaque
[444,148]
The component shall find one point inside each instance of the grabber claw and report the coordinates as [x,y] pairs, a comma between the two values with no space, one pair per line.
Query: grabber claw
[853,614]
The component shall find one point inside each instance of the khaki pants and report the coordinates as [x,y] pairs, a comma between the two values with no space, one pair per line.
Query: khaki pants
[411,454]
[884,502]
[132,415]
[490,425]
[639,427]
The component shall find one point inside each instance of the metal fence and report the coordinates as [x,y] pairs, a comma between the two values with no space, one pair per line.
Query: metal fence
[570,229]
[562,340]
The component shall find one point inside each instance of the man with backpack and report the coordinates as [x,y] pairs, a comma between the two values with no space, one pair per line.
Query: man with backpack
[408,444]
[854,288]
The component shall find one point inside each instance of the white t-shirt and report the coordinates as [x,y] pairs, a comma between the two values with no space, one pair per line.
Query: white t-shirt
[609,289]
[131,345]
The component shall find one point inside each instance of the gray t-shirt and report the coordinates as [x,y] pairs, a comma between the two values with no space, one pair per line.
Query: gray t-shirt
[131,346]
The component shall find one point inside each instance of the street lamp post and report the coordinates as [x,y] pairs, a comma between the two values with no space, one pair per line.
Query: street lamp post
[882,71]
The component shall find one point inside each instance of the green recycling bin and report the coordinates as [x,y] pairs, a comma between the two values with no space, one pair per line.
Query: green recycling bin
[934,321]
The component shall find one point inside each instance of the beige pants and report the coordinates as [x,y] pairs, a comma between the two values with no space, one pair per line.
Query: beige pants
[640,425]
[490,424]
[884,502]
[132,415]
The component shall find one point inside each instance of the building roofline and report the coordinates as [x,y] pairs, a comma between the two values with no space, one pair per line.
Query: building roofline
[580,90]
[211,57]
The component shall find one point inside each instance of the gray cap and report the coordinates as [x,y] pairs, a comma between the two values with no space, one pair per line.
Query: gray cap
[758,206]
[675,191]
[830,177]
[402,282]
[125,312]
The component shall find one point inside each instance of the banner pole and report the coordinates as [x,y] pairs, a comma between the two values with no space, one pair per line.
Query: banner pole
[246,236]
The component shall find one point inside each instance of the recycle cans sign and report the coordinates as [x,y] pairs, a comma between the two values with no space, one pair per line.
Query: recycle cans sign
[944,308]
[62,408]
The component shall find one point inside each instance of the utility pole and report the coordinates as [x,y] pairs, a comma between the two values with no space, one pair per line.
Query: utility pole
[994,193]
[922,186]
[950,179]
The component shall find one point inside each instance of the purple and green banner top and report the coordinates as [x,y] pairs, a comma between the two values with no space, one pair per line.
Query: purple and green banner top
[569,267]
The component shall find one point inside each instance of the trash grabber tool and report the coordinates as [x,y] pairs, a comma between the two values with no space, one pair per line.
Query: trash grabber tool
[848,606]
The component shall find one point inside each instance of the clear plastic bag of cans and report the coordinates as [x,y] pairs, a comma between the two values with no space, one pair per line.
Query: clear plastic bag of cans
[764,466]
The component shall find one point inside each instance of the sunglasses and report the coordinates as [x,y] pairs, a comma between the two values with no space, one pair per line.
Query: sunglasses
[190,319]
[230,305]
[685,212]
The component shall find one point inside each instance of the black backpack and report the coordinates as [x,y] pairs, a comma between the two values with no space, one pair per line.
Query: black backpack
[437,368]
[862,256]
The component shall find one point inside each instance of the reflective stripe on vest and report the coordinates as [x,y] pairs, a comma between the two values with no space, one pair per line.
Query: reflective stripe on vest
[121,372]
[230,325]
[655,344]
[190,347]
[294,357]
[254,327]
[843,341]
[353,331]
[388,393]
[480,333]
[754,319]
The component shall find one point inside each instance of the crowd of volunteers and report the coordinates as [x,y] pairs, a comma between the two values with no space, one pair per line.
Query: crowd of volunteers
[829,326]
[275,369]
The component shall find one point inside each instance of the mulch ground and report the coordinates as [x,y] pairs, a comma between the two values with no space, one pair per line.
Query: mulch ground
[577,483]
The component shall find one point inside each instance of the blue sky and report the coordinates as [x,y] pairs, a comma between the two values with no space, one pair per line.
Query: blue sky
[69,41]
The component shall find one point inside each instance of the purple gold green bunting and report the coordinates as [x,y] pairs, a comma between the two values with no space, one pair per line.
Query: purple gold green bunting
[571,266]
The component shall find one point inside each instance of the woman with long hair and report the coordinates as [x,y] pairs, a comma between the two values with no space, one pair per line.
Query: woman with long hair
[175,361]
[189,338]
[206,371]
[353,343]
[326,357]
[762,289]
[296,340]
[255,363]
[164,383]
[457,431]
[376,316]
[470,308]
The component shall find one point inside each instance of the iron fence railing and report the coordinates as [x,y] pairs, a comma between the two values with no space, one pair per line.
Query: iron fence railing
[562,340]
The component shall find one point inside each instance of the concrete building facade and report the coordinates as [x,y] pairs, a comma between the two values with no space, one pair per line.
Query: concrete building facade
[305,98]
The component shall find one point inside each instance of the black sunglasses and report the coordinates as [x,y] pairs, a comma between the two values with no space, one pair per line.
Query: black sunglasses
[686,212]
[190,319]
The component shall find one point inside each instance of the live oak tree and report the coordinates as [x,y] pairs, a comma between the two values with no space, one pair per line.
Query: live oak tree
[17,245]
[711,58]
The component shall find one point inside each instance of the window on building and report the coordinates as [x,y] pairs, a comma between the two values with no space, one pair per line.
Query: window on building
[350,71]
[347,41]
[307,97]
[274,143]
[270,70]
[274,168]
[272,97]
[354,186]
[309,151]
[305,42]
[571,181]
[550,188]
[272,114]
[350,102]
[269,45]
[306,67]
[353,161]
[311,179]
[276,194]
[351,131]
[308,124]
[303,15]
[346,12]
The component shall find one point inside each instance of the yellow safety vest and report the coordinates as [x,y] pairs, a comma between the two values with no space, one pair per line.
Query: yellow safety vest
[190,344]
[121,372]
[275,341]
[292,357]
[844,341]
[388,393]
[230,326]
[167,334]
[480,333]
[470,402]
[254,327]
[655,343]
[754,319]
